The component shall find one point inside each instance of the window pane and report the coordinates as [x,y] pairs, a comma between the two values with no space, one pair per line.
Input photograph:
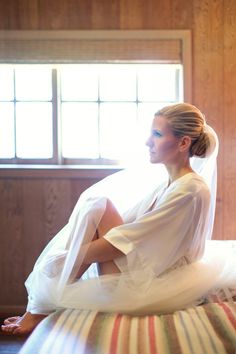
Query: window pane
[34,130]
[117,83]
[118,130]
[6,84]
[79,83]
[80,130]
[7,146]
[157,83]
[33,83]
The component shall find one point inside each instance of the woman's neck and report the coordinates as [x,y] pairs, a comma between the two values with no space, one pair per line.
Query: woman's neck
[176,172]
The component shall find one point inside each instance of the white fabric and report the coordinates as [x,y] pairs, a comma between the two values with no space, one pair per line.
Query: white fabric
[181,221]
[149,241]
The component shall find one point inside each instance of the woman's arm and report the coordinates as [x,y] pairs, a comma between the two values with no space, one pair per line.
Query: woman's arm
[100,251]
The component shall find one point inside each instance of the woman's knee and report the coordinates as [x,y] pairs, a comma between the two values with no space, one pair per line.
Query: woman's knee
[111,218]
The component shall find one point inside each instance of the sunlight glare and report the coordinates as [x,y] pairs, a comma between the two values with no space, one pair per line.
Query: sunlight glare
[7,147]
[6,84]
[79,83]
[34,130]
[79,130]
[118,84]
[33,83]
[156,83]
[118,130]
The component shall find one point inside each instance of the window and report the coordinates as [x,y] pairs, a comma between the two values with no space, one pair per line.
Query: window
[103,112]
[95,111]
[25,112]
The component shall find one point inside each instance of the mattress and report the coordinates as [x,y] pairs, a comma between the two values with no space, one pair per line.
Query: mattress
[204,329]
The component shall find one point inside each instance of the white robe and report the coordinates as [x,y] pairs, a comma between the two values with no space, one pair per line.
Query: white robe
[171,233]
[153,278]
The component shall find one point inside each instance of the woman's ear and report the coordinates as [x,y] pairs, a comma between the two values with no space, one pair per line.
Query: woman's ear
[185,143]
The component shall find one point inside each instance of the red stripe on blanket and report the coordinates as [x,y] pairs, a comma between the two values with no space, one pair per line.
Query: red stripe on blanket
[229,314]
[151,330]
[114,335]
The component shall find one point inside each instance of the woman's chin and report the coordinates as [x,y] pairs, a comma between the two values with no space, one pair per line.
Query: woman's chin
[153,159]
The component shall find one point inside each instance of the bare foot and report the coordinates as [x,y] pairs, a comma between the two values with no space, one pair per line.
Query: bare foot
[22,325]
[11,320]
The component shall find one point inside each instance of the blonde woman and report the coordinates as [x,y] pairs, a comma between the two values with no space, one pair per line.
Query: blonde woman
[149,256]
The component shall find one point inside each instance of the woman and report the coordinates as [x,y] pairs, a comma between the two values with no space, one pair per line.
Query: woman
[147,255]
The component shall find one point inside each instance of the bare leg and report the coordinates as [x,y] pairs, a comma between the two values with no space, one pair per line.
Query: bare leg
[110,219]
[26,323]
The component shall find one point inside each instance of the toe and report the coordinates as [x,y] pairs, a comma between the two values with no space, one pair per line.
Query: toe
[11,320]
[9,328]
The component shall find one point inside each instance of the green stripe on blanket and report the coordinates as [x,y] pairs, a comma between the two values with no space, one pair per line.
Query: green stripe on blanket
[210,328]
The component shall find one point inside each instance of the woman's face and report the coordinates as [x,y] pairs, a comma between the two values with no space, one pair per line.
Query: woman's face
[163,145]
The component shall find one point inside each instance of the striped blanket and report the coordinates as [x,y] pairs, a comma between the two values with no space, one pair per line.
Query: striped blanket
[205,329]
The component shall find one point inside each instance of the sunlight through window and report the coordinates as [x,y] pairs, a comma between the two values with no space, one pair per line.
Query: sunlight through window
[79,130]
[7,138]
[34,130]
[82,113]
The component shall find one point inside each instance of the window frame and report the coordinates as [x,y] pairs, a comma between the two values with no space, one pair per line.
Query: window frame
[11,40]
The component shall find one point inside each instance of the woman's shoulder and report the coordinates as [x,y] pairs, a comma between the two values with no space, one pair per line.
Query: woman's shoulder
[193,184]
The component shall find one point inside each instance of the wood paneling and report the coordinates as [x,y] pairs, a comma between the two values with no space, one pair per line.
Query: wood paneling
[11,240]
[182,14]
[33,209]
[229,117]
[208,79]
[105,14]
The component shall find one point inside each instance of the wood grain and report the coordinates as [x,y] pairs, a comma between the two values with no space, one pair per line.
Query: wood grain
[11,250]
[34,237]
[181,14]
[56,205]
[229,142]
[105,14]
[208,80]
[131,14]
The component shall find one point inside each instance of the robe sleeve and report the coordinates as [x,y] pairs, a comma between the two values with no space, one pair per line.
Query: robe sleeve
[161,237]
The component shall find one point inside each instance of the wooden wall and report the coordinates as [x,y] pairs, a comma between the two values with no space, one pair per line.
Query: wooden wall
[33,207]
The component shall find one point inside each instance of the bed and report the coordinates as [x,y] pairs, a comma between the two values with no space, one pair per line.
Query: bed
[204,329]
[209,328]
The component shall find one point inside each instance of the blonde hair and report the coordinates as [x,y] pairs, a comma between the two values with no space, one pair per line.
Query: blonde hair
[187,120]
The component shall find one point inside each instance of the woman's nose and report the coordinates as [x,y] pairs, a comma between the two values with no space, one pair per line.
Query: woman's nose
[149,141]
